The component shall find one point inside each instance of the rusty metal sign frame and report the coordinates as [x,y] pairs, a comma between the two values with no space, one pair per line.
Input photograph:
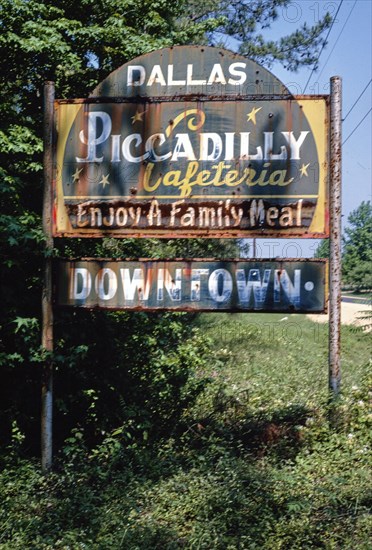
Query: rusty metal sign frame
[196,285]
[134,213]
[103,215]
[260,84]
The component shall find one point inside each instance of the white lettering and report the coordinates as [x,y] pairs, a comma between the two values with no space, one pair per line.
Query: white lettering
[268,148]
[115,153]
[295,144]
[106,284]
[291,291]
[140,73]
[216,151]
[229,145]
[254,283]
[172,285]
[175,211]
[234,71]
[139,283]
[172,82]
[220,285]
[156,76]
[183,148]
[80,284]
[190,81]
[93,140]
[257,212]
[244,148]
[154,212]
[137,139]
[150,143]
[216,75]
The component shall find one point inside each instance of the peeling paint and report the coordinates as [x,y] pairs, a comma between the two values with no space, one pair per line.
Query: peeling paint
[193,285]
[187,130]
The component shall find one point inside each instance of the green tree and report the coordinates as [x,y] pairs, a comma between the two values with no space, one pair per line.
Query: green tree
[357,251]
[76,45]
[322,250]
[244,20]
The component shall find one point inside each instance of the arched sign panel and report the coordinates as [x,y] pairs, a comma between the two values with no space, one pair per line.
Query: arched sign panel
[192,141]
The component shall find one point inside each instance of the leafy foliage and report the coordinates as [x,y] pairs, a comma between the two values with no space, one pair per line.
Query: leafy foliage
[132,372]
[157,449]
[76,46]
[357,248]
[253,463]
[322,250]
[242,21]
[357,255]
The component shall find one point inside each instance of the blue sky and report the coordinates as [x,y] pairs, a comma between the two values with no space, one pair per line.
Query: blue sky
[348,55]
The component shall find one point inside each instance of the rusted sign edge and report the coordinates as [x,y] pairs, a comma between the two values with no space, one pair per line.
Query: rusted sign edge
[208,234]
[192,259]
[192,97]
[184,308]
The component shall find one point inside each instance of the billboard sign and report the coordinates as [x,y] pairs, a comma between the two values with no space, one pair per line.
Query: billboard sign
[222,164]
[194,285]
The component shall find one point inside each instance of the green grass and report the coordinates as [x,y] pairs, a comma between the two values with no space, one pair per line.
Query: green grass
[255,464]
[282,359]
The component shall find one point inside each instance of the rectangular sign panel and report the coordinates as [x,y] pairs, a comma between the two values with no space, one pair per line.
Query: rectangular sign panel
[186,285]
[222,168]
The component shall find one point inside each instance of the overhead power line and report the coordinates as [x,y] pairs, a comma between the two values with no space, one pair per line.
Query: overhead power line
[357,126]
[324,44]
[337,39]
[356,101]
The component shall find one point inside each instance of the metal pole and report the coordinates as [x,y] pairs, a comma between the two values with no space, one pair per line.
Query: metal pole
[47,308]
[335,238]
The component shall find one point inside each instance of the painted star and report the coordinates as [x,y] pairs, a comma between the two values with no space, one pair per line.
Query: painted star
[105,181]
[252,114]
[76,176]
[138,117]
[303,169]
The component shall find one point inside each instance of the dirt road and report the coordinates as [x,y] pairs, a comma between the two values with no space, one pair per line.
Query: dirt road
[350,315]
